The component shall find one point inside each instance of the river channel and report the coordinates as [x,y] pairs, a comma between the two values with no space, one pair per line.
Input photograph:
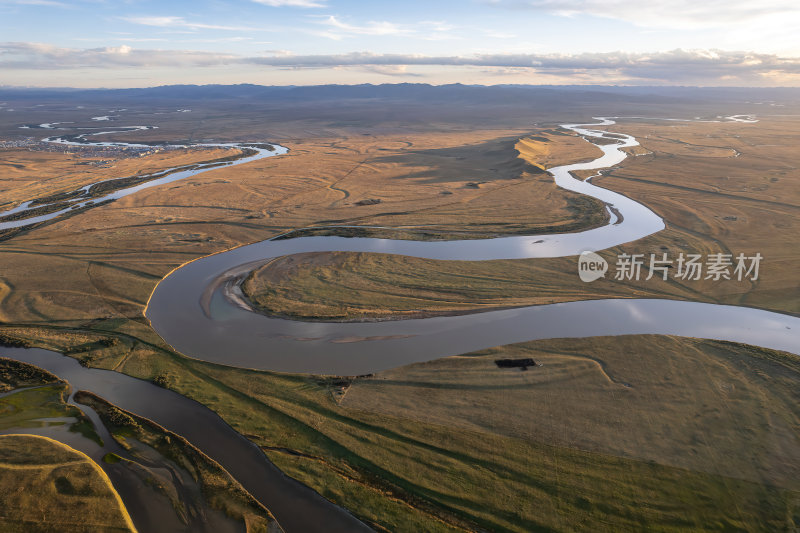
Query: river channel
[199,310]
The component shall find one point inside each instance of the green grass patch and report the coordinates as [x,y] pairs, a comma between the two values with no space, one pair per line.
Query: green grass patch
[111,458]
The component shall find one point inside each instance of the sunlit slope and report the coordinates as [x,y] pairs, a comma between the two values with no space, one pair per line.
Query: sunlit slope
[47,486]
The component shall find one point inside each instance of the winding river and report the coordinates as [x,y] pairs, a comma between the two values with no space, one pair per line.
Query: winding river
[198,309]
[297,508]
[83,197]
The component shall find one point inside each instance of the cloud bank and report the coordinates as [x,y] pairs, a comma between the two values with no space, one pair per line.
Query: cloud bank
[671,67]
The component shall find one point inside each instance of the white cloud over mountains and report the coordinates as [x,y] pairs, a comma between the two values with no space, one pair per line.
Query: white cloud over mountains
[36,56]
[707,67]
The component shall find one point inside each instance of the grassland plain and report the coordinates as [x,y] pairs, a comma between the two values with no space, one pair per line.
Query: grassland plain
[48,486]
[664,433]
[29,174]
[721,188]
[399,470]
[102,265]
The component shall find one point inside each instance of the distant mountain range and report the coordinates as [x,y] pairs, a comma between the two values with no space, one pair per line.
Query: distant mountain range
[455,93]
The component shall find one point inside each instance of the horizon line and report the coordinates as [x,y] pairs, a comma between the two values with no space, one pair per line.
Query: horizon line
[458,84]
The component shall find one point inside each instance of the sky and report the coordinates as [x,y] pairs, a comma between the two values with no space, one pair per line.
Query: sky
[143,43]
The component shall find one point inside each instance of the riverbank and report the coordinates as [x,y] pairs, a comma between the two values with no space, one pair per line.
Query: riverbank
[713,204]
[164,482]
[376,444]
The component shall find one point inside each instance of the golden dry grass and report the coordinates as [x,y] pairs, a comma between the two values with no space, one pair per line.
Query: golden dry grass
[551,148]
[701,405]
[749,203]
[28,174]
[320,181]
[46,486]
[711,201]
[102,265]
[361,286]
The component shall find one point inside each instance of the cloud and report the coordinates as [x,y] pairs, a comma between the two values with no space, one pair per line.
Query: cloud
[610,60]
[38,56]
[494,34]
[700,67]
[290,3]
[428,30]
[681,14]
[180,22]
[46,3]
[339,28]
[390,70]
